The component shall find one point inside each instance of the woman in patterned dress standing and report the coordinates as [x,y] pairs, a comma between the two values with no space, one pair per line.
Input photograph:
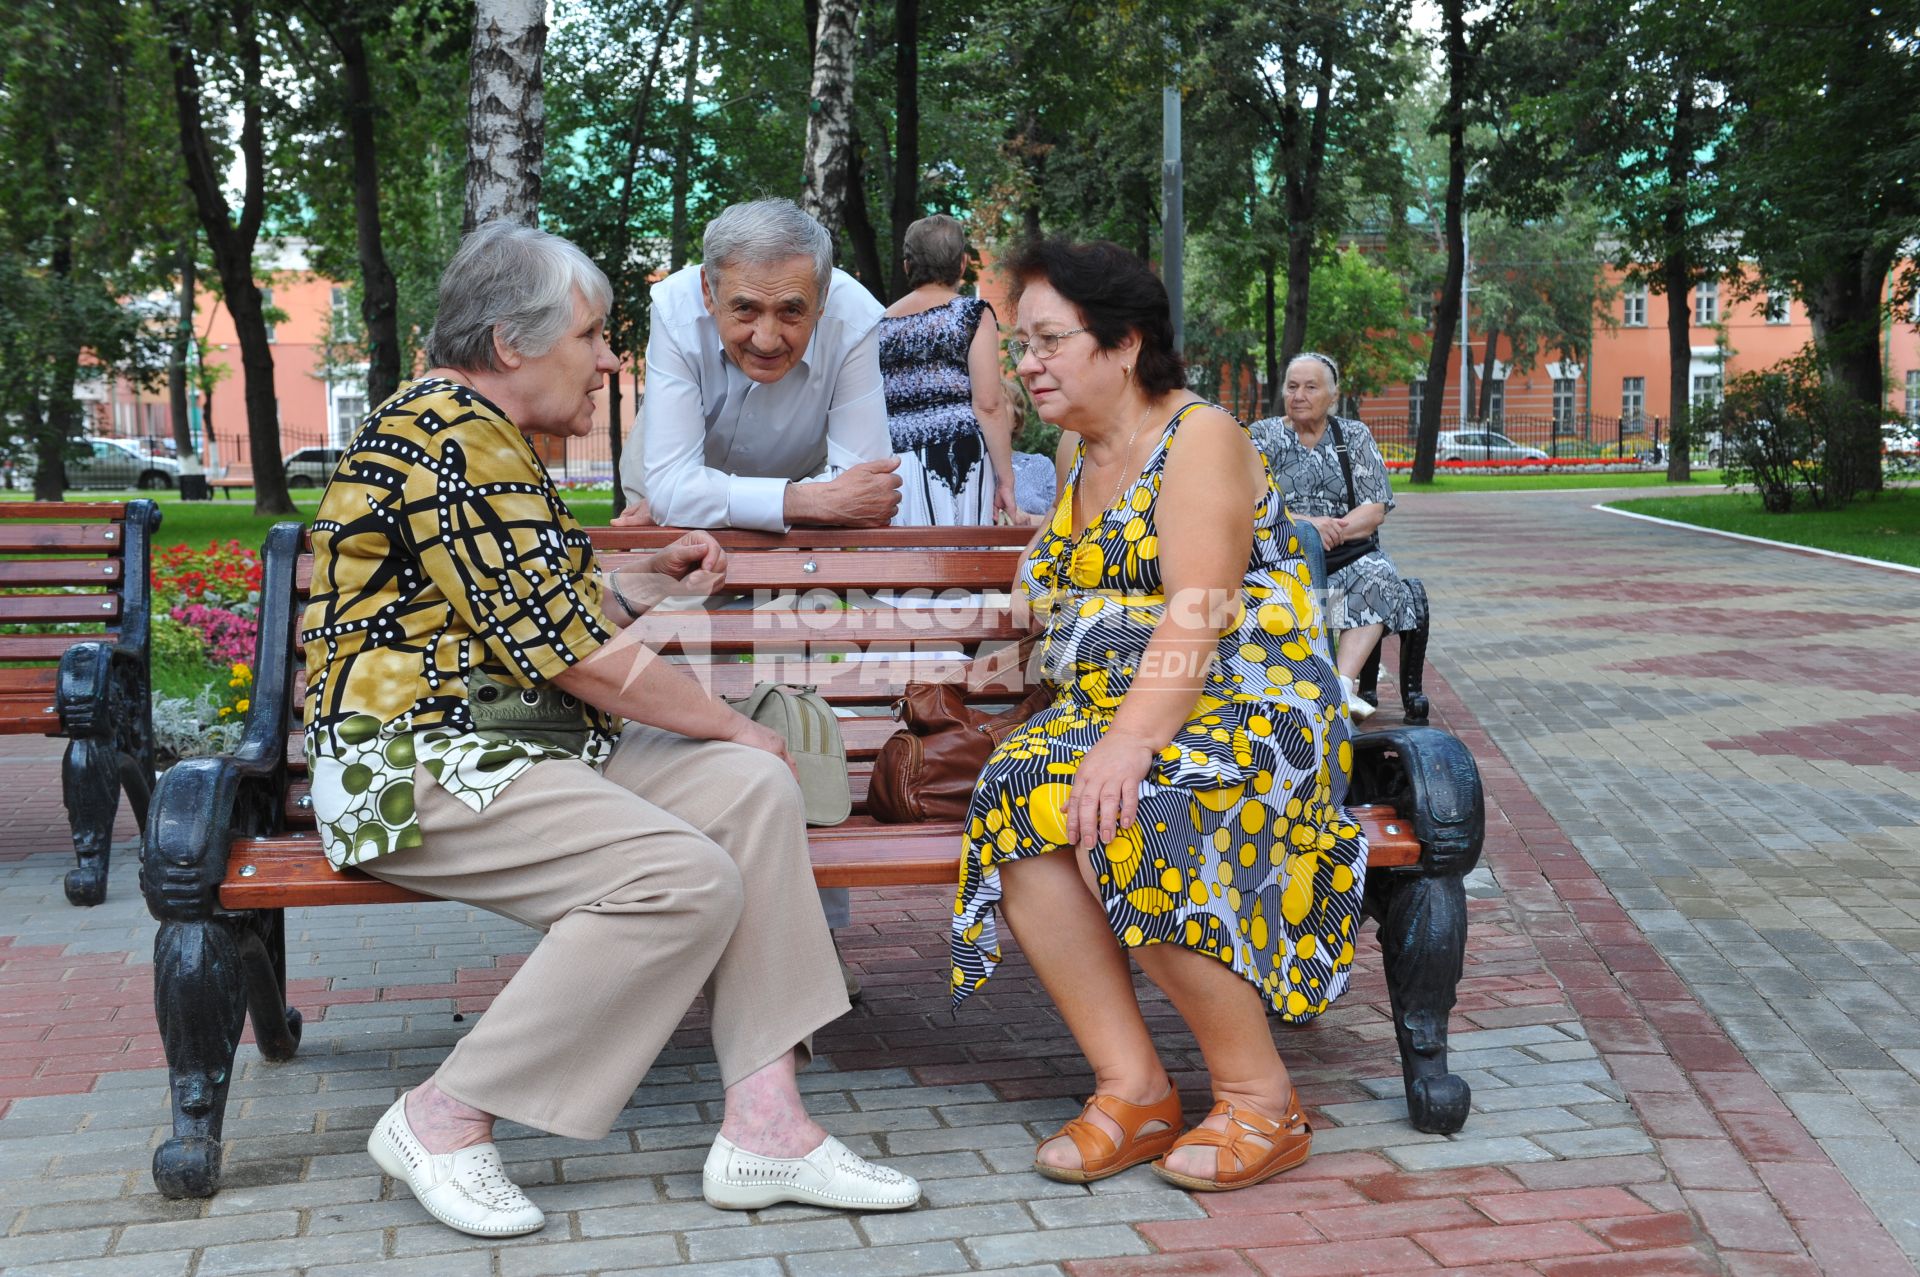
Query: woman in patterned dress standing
[940,360]
[1192,765]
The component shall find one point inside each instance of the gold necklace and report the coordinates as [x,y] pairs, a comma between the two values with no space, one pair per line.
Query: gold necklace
[1126,459]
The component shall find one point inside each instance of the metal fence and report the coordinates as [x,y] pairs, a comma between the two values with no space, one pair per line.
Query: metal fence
[307,453]
[1575,437]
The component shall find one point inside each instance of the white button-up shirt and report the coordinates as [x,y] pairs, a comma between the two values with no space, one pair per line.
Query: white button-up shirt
[717,449]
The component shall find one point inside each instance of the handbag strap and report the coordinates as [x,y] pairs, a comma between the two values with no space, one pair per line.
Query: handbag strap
[1346,463]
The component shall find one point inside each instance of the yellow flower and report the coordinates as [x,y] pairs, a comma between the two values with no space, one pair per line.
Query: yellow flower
[224,711]
[240,670]
[240,706]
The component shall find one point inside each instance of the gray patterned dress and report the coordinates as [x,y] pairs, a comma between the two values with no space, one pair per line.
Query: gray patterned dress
[1369,590]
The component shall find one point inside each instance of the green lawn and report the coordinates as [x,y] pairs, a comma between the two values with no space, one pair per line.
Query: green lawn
[1445,482]
[1884,527]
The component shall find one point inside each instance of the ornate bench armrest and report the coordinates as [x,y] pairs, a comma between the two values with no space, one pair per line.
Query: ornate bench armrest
[1430,778]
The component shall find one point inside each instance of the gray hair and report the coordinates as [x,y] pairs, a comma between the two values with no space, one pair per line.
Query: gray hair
[764,231]
[1325,361]
[513,280]
[936,251]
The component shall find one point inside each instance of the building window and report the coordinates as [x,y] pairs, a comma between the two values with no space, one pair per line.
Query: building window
[1706,303]
[347,412]
[1913,394]
[1423,310]
[1563,403]
[1417,402]
[1706,389]
[1633,400]
[266,303]
[1497,400]
[1633,307]
[1779,306]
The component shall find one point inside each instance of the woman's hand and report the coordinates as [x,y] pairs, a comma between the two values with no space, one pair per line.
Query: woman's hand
[747,732]
[696,560]
[1106,789]
[1005,503]
[1332,532]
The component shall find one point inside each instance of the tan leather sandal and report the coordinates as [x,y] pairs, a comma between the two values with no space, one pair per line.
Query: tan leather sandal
[1288,1140]
[1099,1155]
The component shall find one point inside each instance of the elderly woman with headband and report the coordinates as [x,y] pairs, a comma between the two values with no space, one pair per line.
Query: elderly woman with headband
[1335,479]
[468,667]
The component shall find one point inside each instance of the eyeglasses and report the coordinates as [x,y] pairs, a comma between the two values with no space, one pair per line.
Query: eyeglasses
[1043,345]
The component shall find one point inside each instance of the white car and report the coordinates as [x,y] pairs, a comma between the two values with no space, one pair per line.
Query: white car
[1483,445]
[107,463]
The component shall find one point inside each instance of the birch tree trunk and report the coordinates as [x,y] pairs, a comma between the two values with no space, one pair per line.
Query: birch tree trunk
[506,120]
[830,115]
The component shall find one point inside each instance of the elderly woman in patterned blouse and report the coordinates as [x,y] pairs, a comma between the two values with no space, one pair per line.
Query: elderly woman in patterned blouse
[467,677]
[1366,597]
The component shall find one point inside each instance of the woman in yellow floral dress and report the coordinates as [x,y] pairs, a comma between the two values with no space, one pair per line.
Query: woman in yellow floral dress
[1193,761]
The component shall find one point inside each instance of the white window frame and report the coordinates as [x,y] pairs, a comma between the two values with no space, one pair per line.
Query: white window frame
[1706,303]
[1633,399]
[1416,402]
[1633,307]
[266,303]
[1913,394]
[1779,307]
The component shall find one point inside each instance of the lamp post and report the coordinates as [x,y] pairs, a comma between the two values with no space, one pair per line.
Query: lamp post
[1466,276]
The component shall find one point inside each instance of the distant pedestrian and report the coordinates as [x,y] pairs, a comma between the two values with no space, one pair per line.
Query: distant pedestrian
[940,361]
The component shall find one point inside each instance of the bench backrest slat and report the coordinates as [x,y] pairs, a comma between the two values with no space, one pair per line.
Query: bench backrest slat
[34,573]
[20,609]
[62,538]
[18,648]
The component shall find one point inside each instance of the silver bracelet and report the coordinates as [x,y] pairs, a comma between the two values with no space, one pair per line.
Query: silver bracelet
[613,583]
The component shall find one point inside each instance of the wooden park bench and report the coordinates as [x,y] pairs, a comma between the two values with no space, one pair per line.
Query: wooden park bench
[76,576]
[233,845]
[237,475]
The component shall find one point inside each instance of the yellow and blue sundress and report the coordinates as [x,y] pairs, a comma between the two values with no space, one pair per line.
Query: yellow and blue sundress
[1241,849]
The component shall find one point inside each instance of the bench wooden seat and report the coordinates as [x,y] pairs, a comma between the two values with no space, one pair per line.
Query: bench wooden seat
[238,475]
[233,842]
[77,665]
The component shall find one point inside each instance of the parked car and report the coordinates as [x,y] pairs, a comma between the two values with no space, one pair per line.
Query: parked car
[311,467]
[1483,445]
[104,463]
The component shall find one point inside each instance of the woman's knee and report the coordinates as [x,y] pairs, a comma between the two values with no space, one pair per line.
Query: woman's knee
[687,870]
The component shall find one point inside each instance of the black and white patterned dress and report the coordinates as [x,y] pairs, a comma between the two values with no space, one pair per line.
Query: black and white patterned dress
[1369,590]
[946,477]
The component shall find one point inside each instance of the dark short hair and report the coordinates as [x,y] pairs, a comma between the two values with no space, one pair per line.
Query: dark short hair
[935,249]
[1116,293]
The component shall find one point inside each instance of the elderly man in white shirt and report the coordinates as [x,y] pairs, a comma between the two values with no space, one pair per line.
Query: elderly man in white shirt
[764,406]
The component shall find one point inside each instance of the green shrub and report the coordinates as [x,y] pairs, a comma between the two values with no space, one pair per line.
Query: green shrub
[1793,436]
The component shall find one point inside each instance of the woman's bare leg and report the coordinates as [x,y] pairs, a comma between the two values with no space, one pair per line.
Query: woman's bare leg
[1230,1023]
[1064,933]
[1356,645]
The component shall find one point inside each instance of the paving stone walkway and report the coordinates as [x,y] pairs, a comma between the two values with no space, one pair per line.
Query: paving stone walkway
[1619,1126]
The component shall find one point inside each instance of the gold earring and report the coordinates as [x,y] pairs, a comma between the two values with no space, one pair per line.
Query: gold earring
[1126,370]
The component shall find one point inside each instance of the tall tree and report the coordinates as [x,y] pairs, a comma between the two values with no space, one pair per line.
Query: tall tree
[1537,283]
[683,139]
[1460,49]
[347,25]
[87,196]
[506,127]
[1308,86]
[232,44]
[1648,126]
[1818,184]
[830,118]
[906,119]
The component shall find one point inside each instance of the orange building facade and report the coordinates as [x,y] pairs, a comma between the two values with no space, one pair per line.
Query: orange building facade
[1619,398]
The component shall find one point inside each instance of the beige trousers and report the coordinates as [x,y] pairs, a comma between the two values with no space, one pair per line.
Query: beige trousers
[682,867]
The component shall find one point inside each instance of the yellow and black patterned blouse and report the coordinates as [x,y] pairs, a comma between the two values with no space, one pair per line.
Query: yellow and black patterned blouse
[440,548]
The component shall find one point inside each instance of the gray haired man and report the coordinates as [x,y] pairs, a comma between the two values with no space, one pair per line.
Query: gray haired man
[764,405]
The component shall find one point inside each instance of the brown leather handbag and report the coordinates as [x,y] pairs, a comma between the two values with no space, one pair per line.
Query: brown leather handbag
[926,771]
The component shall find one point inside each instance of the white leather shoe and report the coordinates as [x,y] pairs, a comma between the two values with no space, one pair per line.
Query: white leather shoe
[831,1175]
[1357,708]
[466,1190]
